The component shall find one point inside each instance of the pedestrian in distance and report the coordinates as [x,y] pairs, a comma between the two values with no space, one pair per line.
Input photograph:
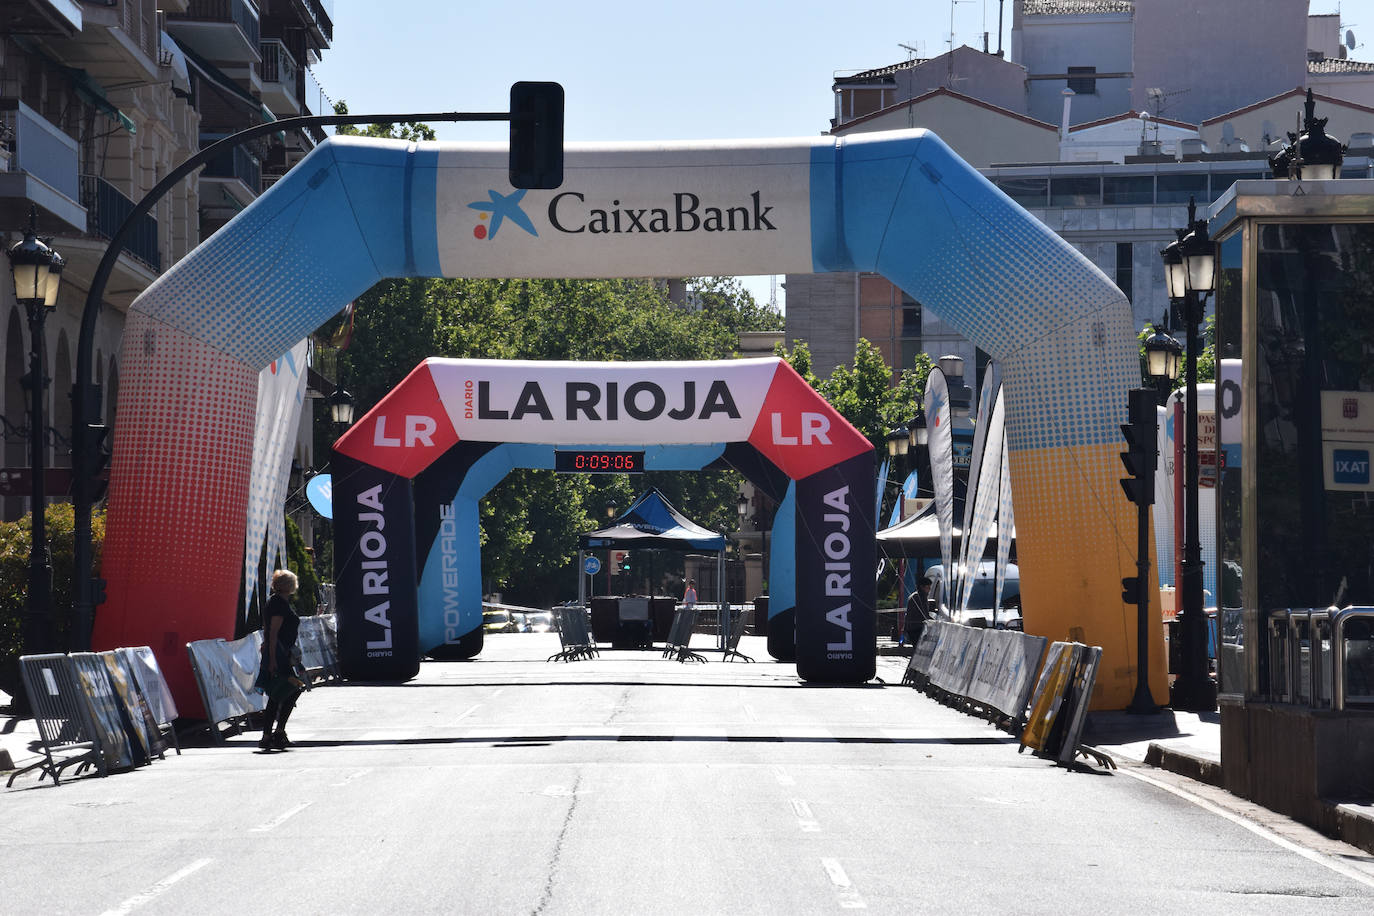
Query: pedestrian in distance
[689,597]
[278,677]
[918,611]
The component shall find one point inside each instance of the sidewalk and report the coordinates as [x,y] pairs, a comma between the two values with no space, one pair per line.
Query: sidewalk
[19,741]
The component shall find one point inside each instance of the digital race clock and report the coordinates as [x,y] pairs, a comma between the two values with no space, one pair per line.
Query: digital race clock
[598,462]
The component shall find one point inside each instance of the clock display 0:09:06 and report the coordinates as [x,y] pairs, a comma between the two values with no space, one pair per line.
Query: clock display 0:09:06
[599,462]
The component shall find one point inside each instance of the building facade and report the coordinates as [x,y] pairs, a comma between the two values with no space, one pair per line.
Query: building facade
[99,103]
[1126,109]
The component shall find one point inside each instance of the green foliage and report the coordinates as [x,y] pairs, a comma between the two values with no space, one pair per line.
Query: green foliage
[16,540]
[410,130]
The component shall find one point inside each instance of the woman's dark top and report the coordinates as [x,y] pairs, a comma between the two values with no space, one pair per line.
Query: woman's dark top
[278,606]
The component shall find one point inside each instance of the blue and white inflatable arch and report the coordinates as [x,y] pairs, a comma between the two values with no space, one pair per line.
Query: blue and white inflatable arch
[358,210]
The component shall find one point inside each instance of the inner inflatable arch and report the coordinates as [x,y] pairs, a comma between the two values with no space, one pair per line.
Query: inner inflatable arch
[408,478]
[358,210]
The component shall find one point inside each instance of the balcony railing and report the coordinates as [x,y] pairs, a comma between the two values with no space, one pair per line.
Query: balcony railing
[241,12]
[106,210]
[235,162]
[40,148]
[278,66]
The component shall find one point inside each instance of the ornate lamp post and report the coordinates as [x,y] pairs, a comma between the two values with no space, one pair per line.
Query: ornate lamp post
[341,408]
[1190,275]
[1313,155]
[37,271]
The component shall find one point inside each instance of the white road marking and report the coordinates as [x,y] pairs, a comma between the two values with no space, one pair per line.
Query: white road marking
[849,898]
[469,711]
[495,693]
[750,714]
[783,777]
[281,818]
[349,778]
[128,906]
[805,819]
[1256,829]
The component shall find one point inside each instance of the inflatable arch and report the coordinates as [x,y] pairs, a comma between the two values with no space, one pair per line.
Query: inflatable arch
[409,475]
[357,210]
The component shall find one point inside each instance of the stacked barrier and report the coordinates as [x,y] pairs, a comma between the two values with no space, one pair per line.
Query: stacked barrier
[225,671]
[680,635]
[109,711]
[1059,707]
[992,672]
[574,634]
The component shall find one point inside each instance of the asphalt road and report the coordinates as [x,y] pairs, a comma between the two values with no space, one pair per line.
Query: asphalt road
[634,784]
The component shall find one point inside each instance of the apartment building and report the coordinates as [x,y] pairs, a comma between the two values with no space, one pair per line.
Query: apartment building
[98,103]
[1107,117]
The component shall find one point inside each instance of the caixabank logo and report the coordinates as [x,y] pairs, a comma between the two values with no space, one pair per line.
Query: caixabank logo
[570,213]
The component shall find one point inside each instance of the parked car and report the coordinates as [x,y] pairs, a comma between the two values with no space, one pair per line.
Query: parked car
[497,621]
[980,604]
[538,622]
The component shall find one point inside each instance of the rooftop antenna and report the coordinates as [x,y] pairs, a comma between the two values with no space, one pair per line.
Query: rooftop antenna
[913,52]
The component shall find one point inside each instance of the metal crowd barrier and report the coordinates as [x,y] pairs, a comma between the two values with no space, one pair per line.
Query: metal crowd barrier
[1322,658]
[680,636]
[224,673]
[574,634]
[986,672]
[63,717]
[109,710]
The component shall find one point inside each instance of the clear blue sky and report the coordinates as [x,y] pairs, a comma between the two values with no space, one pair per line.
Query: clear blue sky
[652,71]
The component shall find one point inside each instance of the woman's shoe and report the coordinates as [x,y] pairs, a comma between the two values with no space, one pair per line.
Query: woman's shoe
[266,743]
[280,741]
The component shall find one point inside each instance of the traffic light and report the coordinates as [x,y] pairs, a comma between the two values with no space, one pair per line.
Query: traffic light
[624,561]
[1142,452]
[1130,590]
[97,592]
[536,135]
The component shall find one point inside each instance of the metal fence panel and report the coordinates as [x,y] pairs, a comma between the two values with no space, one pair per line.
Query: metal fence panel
[63,718]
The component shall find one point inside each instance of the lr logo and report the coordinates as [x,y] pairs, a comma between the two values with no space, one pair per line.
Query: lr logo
[1350,466]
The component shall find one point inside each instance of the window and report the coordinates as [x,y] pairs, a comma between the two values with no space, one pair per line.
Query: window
[1129,190]
[1079,191]
[1083,80]
[1176,189]
[1125,268]
[1028,192]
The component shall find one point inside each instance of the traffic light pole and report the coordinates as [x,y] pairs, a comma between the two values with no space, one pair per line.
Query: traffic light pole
[537,111]
[1141,462]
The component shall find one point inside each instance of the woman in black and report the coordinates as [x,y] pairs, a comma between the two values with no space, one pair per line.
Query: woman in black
[277,674]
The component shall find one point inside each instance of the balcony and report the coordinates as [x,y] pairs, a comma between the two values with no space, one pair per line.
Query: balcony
[38,165]
[221,31]
[231,181]
[279,77]
[106,210]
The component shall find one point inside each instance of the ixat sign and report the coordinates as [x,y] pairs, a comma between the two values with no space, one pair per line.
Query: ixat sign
[682,211]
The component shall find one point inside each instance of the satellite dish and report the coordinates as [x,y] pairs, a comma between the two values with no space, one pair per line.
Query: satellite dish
[1350,39]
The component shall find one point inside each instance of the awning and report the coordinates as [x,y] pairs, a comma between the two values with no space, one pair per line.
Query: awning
[181,75]
[84,84]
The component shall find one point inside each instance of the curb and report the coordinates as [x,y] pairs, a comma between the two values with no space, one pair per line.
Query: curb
[1195,767]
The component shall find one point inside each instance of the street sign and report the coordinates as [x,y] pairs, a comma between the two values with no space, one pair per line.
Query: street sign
[591,566]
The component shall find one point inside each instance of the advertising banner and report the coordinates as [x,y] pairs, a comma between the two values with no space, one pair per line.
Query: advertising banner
[940,443]
[985,499]
[1006,525]
[375,581]
[281,390]
[226,671]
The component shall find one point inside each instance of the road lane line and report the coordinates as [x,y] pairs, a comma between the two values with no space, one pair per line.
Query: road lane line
[469,711]
[805,819]
[281,818]
[1257,829]
[849,898]
[349,778]
[750,714]
[128,906]
[783,777]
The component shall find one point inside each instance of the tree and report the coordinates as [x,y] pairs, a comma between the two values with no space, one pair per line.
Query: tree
[410,130]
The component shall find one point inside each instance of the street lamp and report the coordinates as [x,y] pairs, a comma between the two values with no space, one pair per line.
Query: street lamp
[1313,155]
[341,407]
[37,271]
[898,442]
[1192,260]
